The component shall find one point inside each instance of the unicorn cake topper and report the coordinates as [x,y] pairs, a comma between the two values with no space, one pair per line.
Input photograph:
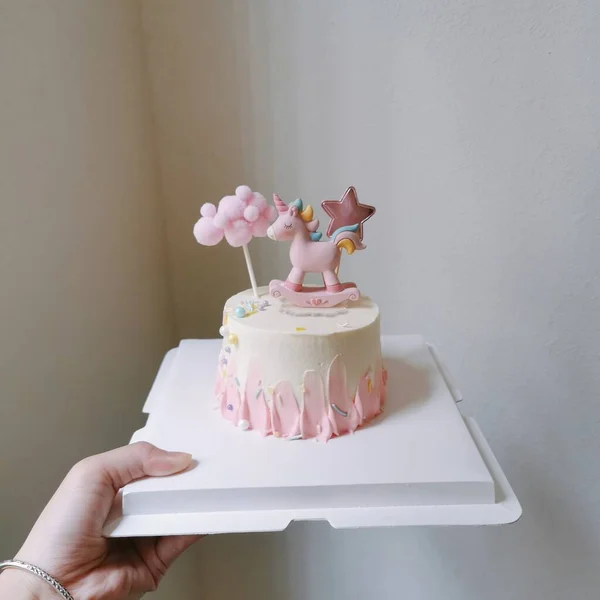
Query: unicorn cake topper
[308,254]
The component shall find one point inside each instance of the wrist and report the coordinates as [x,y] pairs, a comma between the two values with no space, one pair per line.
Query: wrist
[19,585]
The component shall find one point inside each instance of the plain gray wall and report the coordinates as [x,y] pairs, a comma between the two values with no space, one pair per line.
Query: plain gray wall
[475,130]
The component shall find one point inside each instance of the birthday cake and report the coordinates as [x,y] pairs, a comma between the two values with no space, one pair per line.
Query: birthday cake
[297,362]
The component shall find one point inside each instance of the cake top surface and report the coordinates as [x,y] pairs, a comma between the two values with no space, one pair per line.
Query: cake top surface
[243,311]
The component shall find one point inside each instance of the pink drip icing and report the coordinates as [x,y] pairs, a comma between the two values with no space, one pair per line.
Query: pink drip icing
[284,411]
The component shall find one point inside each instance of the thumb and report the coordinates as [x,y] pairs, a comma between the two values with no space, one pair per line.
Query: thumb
[129,463]
[107,473]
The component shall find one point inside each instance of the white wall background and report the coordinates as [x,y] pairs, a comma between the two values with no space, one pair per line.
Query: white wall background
[474,128]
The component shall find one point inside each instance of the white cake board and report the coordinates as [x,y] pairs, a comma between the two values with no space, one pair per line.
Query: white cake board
[418,464]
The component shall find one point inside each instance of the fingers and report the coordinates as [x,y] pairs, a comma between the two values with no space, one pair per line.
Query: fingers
[99,478]
[155,556]
[170,548]
[124,465]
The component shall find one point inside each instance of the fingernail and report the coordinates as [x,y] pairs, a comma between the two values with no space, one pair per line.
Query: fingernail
[169,463]
[180,455]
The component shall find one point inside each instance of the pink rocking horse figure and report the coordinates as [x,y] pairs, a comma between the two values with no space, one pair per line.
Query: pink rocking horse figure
[309,255]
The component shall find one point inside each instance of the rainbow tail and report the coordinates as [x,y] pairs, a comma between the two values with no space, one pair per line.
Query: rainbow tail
[349,241]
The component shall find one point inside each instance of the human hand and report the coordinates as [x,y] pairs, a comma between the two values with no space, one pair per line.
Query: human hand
[67,540]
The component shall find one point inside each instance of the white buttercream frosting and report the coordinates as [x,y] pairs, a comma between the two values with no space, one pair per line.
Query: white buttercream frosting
[288,340]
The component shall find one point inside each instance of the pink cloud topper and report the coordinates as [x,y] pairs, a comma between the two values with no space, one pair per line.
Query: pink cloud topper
[238,218]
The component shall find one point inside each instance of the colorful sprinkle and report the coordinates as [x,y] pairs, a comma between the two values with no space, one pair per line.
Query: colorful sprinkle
[339,411]
[223,331]
[232,338]
[300,328]
[237,381]
[240,313]
[230,407]
[295,437]
[244,425]
[228,349]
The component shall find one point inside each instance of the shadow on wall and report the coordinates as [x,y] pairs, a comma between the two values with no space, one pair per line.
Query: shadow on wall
[236,100]
[205,138]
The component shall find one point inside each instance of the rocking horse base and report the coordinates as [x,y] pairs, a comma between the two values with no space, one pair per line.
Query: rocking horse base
[314,296]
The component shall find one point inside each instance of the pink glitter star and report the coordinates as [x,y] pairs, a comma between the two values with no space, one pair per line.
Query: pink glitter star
[347,211]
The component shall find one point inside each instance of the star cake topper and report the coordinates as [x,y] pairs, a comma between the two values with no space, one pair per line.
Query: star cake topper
[347,212]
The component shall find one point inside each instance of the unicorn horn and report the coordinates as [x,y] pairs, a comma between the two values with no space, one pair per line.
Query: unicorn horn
[279,204]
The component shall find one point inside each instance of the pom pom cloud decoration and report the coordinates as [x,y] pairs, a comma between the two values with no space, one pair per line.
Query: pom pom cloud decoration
[238,219]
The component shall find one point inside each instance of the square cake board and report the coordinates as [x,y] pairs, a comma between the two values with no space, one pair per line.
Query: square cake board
[419,463]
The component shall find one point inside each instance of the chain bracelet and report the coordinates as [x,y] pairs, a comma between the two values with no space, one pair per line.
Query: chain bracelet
[23,566]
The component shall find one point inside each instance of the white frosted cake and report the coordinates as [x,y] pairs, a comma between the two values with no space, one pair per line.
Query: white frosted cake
[297,372]
[297,361]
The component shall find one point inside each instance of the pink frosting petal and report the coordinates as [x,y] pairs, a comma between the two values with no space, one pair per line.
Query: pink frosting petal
[358,404]
[219,383]
[243,416]
[384,378]
[326,431]
[285,412]
[368,391]
[313,407]
[230,402]
[342,412]
[259,415]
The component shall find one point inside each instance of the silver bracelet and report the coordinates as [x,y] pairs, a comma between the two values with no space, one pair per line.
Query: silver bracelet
[23,566]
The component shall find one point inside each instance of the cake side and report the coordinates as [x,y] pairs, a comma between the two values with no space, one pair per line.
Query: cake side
[299,372]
